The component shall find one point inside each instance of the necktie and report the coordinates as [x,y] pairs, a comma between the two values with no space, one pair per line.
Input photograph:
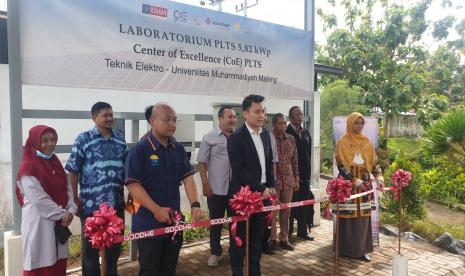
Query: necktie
[299,131]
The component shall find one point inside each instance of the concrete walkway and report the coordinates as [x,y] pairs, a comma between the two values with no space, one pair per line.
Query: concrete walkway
[316,258]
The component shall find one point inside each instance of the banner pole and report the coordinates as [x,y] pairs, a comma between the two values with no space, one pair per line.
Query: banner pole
[247,246]
[336,257]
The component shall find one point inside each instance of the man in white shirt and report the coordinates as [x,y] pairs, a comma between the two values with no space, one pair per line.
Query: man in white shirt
[251,159]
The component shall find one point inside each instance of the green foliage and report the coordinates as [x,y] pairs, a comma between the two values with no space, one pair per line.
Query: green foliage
[426,228]
[460,27]
[446,138]
[413,196]
[446,73]
[383,153]
[194,233]
[441,27]
[376,58]
[337,99]
[389,61]
[432,108]
[431,231]
[444,182]
[74,246]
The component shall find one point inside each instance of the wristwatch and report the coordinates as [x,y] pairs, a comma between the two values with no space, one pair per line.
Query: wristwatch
[195,204]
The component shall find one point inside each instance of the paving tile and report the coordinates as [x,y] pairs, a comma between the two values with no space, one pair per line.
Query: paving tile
[316,258]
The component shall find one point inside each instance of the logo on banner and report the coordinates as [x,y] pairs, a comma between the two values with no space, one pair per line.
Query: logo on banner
[180,16]
[208,21]
[221,25]
[248,30]
[237,26]
[154,10]
[197,20]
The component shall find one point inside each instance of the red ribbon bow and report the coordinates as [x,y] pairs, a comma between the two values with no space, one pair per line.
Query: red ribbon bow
[245,203]
[104,228]
[339,189]
[400,179]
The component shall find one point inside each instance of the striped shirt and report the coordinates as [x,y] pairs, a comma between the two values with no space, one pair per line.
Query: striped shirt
[99,163]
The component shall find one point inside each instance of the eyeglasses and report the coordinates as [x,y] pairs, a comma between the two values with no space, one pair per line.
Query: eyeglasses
[168,120]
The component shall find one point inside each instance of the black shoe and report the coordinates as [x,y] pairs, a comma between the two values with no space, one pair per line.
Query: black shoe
[306,237]
[286,245]
[273,245]
[366,258]
[268,251]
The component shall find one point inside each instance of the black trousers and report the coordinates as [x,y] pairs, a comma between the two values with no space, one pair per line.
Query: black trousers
[304,214]
[159,256]
[90,256]
[257,226]
[217,206]
[266,237]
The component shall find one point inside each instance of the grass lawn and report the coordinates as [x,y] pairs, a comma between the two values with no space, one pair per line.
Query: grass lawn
[406,145]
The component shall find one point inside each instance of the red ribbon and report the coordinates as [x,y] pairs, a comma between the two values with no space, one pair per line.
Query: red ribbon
[245,203]
[339,189]
[328,211]
[207,223]
[269,218]
[176,216]
[104,228]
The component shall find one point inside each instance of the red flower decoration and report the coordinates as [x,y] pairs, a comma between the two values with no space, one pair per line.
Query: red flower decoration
[400,179]
[339,189]
[245,202]
[104,228]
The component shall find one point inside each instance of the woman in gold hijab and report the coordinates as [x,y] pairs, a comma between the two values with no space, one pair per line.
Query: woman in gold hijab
[356,160]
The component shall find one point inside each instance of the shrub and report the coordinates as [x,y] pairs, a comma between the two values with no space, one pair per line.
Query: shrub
[194,233]
[444,182]
[413,196]
[447,138]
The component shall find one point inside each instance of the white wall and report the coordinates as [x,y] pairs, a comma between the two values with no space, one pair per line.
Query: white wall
[4,115]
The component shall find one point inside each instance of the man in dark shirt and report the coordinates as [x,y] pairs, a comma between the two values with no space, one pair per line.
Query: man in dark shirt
[304,215]
[154,169]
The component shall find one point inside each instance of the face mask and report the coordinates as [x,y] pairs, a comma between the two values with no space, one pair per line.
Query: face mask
[45,156]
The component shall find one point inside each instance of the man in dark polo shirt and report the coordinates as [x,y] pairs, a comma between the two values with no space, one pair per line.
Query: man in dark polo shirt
[154,168]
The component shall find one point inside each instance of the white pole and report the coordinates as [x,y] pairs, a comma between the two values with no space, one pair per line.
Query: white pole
[312,109]
[14,60]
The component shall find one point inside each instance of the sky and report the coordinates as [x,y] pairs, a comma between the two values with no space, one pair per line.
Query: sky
[291,12]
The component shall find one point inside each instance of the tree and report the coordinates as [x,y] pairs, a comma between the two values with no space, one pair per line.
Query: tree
[387,58]
[337,99]
[431,109]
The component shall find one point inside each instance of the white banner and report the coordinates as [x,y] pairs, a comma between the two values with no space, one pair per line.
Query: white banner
[161,46]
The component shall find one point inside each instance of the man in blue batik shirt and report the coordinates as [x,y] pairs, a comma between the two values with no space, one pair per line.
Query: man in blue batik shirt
[97,164]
